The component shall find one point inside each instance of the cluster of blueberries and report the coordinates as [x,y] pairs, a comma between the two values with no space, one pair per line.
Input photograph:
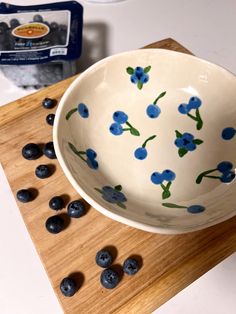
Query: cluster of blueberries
[158,178]
[139,75]
[113,195]
[186,143]
[57,35]
[120,118]
[81,109]
[193,104]
[90,156]
[225,168]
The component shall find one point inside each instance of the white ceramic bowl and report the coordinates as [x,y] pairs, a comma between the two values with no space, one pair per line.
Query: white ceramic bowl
[161,162]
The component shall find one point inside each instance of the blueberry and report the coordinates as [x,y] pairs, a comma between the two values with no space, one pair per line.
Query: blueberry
[54,26]
[83,110]
[116,129]
[139,72]
[184,108]
[140,153]
[113,196]
[134,79]
[24,196]
[157,178]
[225,166]
[194,103]
[168,175]
[120,117]
[49,151]
[92,163]
[4,26]
[228,133]
[130,266]
[56,203]
[54,224]
[153,111]
[104,258]
[50,118]
[38,18]
[42,172]
[91,154]
[48,103]
[76,209]
[190,146]
[31,151]
[14,23]
[227,177]
[179,142]
[144,78]
[195,209]
[188,136]
[109,278]
[68,287]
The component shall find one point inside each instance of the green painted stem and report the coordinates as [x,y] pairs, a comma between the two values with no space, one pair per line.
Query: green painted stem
[147,140]
[192,117]
[160,96]
[69,114]
[126,129]
[212,177]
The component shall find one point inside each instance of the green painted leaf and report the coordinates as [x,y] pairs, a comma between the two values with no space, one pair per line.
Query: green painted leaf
[118,187]
[130,70]
[199,125]
[200,122]
[166,194]
[178,134]
[140,85]
[72,147]
[171,205]
[122,205]
[182,152]
[134,131]
[147,69]
[197,141]
[98,190]
[203,174]
[69,114]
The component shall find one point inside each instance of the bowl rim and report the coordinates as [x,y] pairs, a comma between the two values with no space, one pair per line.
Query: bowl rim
[105,210]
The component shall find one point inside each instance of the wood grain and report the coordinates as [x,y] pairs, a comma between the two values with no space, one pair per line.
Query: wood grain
[170,263]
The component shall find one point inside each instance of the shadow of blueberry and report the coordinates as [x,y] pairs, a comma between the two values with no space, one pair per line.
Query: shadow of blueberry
[52,168]
[34,192]
[66,199]
[86,205]
[79,279]
[66,219]
[111,249]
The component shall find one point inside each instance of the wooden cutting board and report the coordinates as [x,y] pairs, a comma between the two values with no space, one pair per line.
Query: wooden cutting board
[169,263]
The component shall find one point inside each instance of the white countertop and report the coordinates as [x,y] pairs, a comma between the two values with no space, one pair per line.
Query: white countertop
[207,28]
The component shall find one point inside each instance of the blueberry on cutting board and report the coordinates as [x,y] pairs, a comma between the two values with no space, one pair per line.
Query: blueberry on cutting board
[50,118]
[31,151]
[104,258]
[42,172]
[76,209]
[56,203]
[49,151]
[24,196]
[109,278]
[130,266]
[54,224]
[68,287]
[49,103]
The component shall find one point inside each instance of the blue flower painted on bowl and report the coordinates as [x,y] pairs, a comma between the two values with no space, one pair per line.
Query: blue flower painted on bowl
[186,143]
[82,110]
[193,209]
[141,152]
[193,104]
[153,110]
[113,195]
[90,154]
[166,175]
[120,118]
[139,75]
[226,175]
[228,133]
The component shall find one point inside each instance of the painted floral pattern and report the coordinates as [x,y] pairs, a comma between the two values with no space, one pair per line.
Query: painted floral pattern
[193,105]
[139,75]
[113,195]
[186,143]
[141,152]
[193,209]
[153,110]
[224,172]
[81,109]
[159,179]
[121,118]
[228,133]
[88,156]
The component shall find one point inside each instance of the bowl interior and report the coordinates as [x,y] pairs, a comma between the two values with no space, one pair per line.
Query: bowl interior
[145,157]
